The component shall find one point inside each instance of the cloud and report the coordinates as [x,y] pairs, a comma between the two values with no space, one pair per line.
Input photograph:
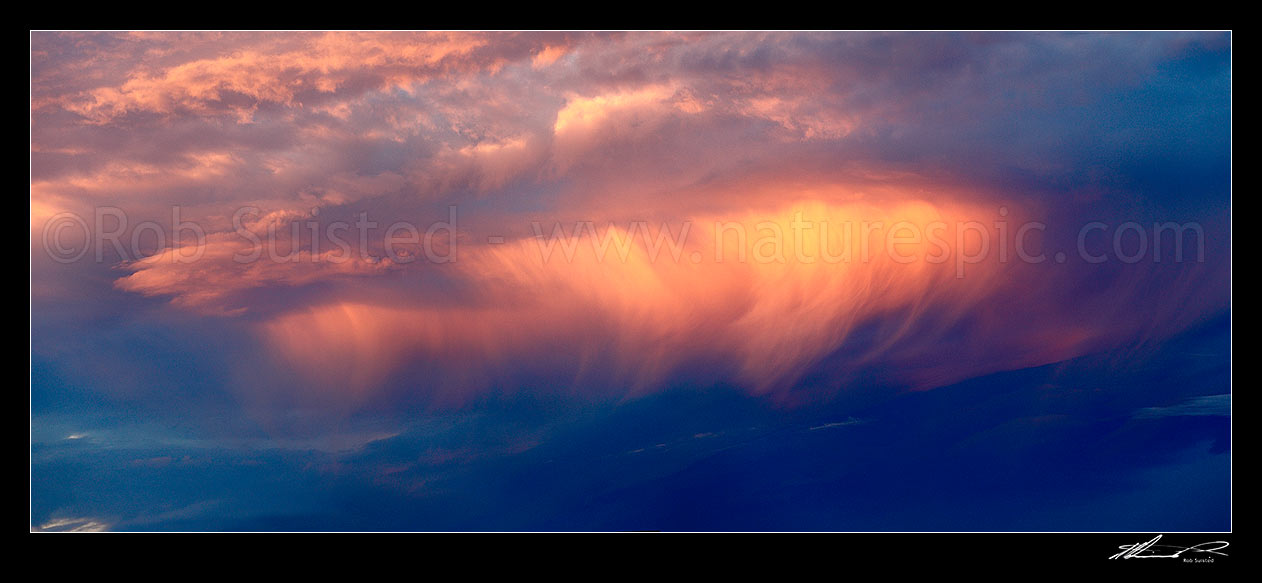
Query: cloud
[754,300]
[1207,405]
[72,525]
[236,82]
[644,243]
[512,129]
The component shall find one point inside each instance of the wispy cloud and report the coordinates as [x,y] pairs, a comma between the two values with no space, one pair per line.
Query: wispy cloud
[1197,406]
[72,525]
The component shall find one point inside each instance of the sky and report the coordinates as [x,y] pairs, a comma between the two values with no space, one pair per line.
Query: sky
[582,281]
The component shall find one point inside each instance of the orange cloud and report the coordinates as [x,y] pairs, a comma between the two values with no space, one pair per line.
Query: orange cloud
[631,306]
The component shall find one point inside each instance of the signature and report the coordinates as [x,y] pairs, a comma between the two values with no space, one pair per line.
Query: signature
[1152,550]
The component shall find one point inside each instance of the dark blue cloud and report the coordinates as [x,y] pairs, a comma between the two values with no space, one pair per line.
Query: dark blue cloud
[1070,446]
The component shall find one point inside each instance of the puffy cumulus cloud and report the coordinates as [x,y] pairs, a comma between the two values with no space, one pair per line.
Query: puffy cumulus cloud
[484,166]
[610,111]
[622,116]
[753,129]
